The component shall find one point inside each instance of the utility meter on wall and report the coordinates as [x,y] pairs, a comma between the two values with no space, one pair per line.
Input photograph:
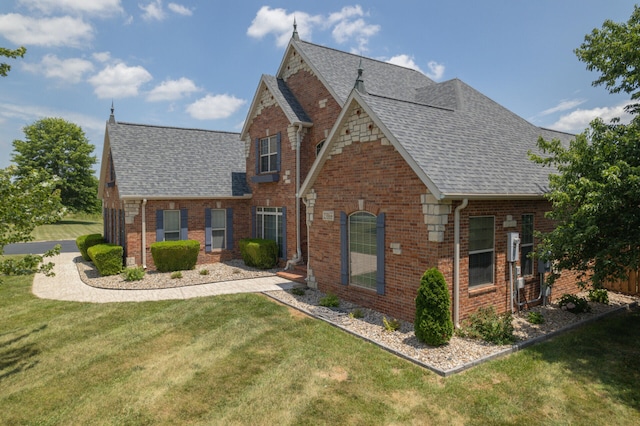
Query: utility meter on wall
[513,247]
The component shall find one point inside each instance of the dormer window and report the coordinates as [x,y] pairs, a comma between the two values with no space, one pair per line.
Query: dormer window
[269,154]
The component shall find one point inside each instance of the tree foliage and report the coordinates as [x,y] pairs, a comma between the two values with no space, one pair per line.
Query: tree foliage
[614,51]
[60,148]
[596,199]
[8,53]
[433,323]
[27,202]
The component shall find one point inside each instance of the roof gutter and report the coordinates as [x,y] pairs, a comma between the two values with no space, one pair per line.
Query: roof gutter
[457,197]
[184,197]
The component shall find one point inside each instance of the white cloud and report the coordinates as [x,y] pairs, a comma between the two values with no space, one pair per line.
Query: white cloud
[59,31]
[119,81]
[153,11]
[102,56]
[344,27]
[180,9]
[30,113]
[577,121]
[436,70]
[214,107]
[71,70]
[564,105]
[406,61]
[170,90]
[93,7]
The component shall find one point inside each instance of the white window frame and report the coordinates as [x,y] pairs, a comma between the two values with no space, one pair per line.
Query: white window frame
[165,222]
[491,250]
[269,154]
[363,261]
[223,229]
[523,256]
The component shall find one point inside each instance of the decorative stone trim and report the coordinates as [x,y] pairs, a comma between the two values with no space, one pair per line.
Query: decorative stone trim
[436,216]
[311,202]
[292,135]
[247,146]
[358,128]
[294,64]
[131,210]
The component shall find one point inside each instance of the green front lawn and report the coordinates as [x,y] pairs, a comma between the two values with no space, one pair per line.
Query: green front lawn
[69,228]
[243,359]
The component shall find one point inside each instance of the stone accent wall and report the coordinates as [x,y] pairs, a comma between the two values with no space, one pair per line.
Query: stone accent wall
[359,128]
[436,216]
[294,64]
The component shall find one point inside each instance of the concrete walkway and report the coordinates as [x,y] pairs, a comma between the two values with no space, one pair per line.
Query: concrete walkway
[66,285]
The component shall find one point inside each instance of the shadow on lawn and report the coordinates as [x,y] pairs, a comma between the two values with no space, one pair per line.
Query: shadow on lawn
[606,352]
[16,357]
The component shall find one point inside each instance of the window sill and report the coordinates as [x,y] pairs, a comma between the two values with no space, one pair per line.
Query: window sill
[264,178]
[482,289]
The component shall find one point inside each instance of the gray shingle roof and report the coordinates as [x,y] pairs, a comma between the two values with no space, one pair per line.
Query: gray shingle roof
[339,71]
[288,102]
[168,162]
[479,148]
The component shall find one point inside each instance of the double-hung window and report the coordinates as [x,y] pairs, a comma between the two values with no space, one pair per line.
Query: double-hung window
[218,228]
[171,225]
[269,154]
[481,250]
[526,244]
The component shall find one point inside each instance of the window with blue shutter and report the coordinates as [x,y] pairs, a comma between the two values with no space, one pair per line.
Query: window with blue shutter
[184,225]
[344,249]
[207,230]
[362,250]
[229,244]
[268,159]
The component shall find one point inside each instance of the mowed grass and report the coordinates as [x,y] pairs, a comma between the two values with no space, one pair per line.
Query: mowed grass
[69,228]
[243,359]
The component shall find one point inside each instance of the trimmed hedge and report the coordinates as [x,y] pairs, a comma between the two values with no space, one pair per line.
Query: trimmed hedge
[433,323]
[170,256]
[85,241]
[107,258]
[259,253]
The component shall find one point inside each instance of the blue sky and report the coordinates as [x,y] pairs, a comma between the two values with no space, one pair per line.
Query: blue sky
[189,63]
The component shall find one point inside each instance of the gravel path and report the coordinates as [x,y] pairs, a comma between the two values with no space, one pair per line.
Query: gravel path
[458,354]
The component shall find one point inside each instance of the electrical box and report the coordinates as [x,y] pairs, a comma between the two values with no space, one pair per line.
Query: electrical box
[544,266]
[513,247]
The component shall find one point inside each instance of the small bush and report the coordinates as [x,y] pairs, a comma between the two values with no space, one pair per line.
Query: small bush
[391,324]
[433,324]
[535,318]
[487,325]
[599,295]
[107,258]
[330,301]
[204,272]
[574,304]
[176,275]
[133,274]
[298,291]
[259,253]
[356,313]
[170,256]
[85,241]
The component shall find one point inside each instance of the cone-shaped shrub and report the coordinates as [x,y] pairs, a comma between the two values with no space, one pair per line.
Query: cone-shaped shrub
[433,323]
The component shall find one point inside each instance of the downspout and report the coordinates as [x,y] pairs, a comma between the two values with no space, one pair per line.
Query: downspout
[456,262]
[298,256]
[144,233]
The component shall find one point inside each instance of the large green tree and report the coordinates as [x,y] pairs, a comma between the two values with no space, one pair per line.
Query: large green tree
[9,53]
[595,188]
[61,149]
[27,202]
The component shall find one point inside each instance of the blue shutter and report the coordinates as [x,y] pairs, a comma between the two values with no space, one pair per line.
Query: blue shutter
[257,156]
[229,245]
[105,223]
[207,230]
[278,146]
[283,249]
[184,225]
[380,253]
[254,225]
[344,249]
[159,225]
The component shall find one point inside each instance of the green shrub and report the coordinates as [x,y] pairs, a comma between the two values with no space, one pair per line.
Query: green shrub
[204,272]
[487,325]
[433,323]
[330,301]
[356,313]
[390,324]
[85,241]
[176,275]
[133,274]
[170,256]
[535,318]
[599,295]
[298,291]
[574,304]
[259,253]
[107,258]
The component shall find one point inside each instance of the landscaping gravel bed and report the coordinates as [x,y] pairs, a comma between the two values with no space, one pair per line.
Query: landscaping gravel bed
[458,354]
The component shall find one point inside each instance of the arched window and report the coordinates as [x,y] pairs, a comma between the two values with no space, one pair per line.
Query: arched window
[319,147]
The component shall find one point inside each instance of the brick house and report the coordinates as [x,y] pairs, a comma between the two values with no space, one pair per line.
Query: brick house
[366,172]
